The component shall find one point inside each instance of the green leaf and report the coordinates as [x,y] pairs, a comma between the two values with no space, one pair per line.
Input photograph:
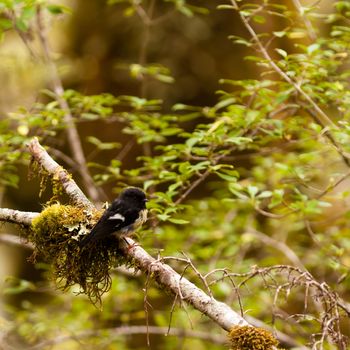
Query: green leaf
[147,184]
[225,7]
[282,53]
[112,2]
[129,11]
[239,140]
[21,25]
[312,48]
[237,190]
[5,24]
[165,78]
[58,9]
[252,191]
[264,194]
[163,217]
[279,34]
[227,177]
[179,221]
[18,286]
[259,19]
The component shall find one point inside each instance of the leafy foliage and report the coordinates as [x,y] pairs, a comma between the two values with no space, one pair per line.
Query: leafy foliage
[257,180]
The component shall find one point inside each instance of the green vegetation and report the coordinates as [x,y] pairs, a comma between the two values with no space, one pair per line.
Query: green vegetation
[253,188]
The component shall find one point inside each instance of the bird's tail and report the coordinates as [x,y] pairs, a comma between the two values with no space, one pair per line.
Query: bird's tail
[87,239]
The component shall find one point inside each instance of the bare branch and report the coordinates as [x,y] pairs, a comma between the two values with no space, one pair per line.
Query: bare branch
[165,276]
[172,281]
[17,217]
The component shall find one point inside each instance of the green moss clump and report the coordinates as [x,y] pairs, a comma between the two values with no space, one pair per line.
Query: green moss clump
[251,338]
[56,233]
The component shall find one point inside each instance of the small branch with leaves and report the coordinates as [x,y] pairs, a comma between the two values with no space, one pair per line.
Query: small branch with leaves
[312,107]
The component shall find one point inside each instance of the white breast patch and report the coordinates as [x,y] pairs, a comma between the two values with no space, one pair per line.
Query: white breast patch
[117,217]
[142,218]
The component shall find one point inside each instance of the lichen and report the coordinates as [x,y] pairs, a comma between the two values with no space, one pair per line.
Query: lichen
[251,338]
[56,233]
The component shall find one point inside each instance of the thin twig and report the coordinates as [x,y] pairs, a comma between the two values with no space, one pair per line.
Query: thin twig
[320,116]
[146,304]
[24,36]
[345,156]
[282,247]
[323,119]
[308,25]
[71,129]
[146,17]
[172,313]
[201,277]
[193,185]
[14,240]
[61,155]
[125,150]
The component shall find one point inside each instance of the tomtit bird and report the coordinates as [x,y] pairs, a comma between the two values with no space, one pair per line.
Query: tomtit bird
[122,217]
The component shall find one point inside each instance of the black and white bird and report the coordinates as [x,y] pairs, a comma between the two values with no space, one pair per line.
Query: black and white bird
[122,217]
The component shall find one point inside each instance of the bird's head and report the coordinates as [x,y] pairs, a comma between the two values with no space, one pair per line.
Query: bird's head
[134,195]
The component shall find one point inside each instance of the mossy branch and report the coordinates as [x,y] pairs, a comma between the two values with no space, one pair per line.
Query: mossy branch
[163,274]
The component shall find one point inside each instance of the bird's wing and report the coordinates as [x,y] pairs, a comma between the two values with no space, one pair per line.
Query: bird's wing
[111,221]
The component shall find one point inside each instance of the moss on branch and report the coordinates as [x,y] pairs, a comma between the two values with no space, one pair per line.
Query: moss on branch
[56,233]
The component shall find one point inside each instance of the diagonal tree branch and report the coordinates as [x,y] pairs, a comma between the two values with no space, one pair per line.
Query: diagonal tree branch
[285,339]
[166,277]
[56,171]
[315,111]
[322,117]
[163,274]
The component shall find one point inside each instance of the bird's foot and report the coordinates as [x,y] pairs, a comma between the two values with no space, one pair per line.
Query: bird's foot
[130,246]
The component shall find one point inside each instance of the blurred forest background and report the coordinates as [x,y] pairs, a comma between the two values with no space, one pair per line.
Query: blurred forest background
[176,97]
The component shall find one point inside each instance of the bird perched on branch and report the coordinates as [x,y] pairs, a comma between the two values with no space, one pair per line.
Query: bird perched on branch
[121,218]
